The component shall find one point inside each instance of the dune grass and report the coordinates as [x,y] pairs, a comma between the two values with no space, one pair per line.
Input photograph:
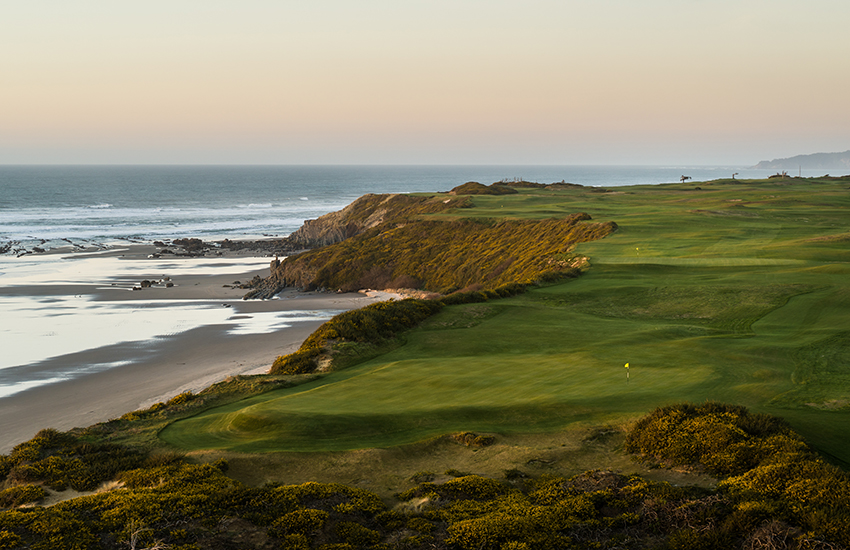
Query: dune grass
[737,292]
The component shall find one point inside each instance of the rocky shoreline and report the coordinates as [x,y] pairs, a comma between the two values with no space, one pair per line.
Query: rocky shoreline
[178,247]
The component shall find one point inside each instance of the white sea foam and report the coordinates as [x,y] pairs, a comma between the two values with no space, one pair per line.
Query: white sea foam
[146,224]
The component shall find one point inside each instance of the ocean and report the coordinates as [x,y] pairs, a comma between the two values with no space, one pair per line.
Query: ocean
[53,206]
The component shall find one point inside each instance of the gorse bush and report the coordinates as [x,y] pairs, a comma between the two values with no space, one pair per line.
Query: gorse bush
[772,473]
[721,438]
[22,494]
[789,499]
[302,522]
[60,460]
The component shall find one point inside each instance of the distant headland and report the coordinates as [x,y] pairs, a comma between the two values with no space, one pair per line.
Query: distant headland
[826,161]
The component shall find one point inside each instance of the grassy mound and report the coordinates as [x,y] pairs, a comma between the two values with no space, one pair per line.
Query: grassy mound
[475,188]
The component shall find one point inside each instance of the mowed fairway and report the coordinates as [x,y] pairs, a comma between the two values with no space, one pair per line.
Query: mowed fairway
[739,292]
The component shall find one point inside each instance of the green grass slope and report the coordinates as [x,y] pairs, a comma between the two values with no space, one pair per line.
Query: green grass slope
[737,292]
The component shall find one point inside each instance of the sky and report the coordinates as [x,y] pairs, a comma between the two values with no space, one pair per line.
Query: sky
[412,82]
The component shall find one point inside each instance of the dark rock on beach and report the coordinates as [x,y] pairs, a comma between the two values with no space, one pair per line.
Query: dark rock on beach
[271,247]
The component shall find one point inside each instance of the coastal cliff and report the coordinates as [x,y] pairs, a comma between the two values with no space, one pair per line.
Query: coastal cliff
[816,161]
[365,213]
[394,241]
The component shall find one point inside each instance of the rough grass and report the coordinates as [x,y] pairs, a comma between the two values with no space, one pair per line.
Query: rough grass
[726,293]
[392,470]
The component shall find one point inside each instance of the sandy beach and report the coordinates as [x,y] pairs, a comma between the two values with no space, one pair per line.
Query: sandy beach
[241,337]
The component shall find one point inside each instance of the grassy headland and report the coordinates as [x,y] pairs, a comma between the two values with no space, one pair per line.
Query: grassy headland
[737,291]
[402,241]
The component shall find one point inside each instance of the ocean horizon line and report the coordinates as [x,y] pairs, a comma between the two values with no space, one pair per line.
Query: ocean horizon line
[372,164]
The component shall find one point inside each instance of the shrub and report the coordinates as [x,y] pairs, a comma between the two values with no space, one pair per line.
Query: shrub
[420,524]
[303,522]
[471,487]
[356,534]
[776,475]
[15,496]
[180,399]
[60,460]
[491,531]
[10,540]
[722,438]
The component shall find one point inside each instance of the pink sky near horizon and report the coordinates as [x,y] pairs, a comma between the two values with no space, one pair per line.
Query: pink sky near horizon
[463,82]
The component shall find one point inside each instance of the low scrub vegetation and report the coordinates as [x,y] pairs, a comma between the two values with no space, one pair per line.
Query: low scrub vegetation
[60,460]
[722,439]
[770,475]
[783,497]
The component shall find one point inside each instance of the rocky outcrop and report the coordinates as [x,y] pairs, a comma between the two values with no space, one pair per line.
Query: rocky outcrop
[365,213]
[268,247]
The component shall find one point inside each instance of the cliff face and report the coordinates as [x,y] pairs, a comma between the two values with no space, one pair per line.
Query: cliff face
[365,213]
[384,241]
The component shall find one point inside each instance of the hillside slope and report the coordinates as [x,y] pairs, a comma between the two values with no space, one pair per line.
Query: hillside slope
[385,241]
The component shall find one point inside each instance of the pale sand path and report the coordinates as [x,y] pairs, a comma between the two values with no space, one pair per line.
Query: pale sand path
[190,360]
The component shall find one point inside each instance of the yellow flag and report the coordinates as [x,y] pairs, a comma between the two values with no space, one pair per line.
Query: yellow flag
[627,365]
